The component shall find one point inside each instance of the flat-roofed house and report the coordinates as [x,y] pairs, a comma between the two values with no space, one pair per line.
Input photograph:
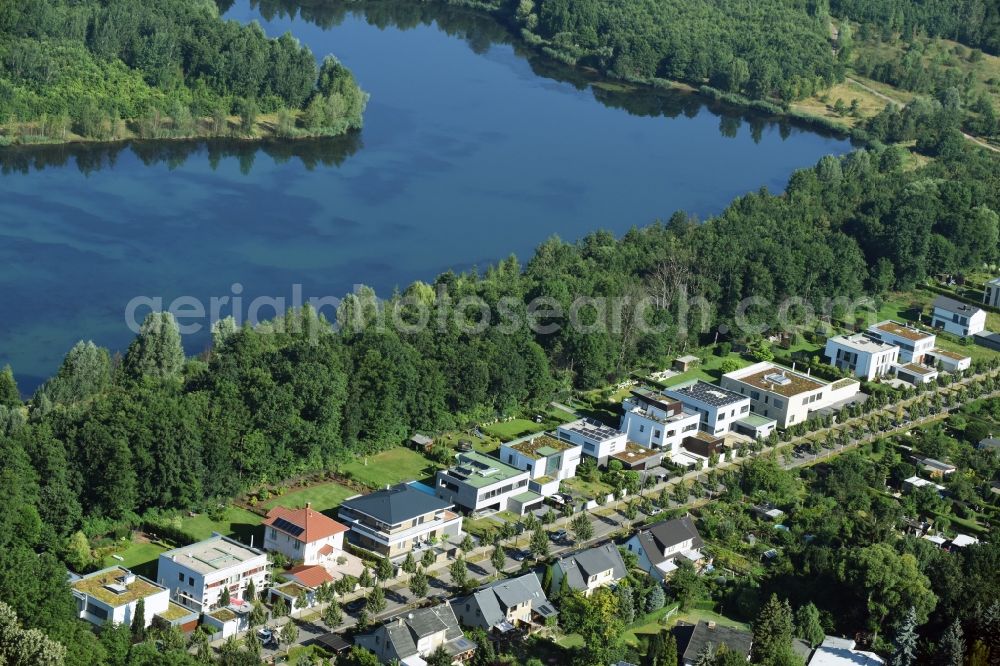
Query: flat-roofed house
[713,635]
[660,546]
[478,482]
[913,343]
[788,396]
[948,361]
[590,569]
[408,638]
[506,604]
[718,408]
[196,574]
[394,521]
[654,420]
[112,594]
[991,294]
[862,355]
[303,534]
[916,373]
[548,460]
[597,440]
[958,318]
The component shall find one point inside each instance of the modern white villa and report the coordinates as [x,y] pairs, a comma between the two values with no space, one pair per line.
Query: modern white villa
[112,595]
[862,355]
[789,396]
[913,343]
[196,574]
[596,440]
[654,420]
[718,408]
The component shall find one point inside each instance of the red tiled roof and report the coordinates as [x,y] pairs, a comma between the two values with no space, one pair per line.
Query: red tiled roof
[326,549]
[310,575]
[315,525]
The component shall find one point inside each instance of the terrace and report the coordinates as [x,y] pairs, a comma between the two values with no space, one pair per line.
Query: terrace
[902,331]
[108,587]
[782,382]
[542,446]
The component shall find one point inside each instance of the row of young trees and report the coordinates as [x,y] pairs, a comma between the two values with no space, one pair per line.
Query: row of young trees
[94,66]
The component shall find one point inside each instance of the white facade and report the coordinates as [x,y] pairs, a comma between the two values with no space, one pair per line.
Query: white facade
[862,356]
[595,439]
[656,422]
[303,535]
[479,482]
[196,574]
[543,457]
[112,594]
[958,318]
[949,361]
[718,408]
[912,342]
[786,395]
[991,295]
[916,373]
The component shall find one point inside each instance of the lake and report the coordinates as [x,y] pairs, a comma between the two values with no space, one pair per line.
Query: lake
[471,151]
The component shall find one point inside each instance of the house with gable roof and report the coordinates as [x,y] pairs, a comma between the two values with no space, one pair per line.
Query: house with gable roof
[590,569]
[303,534]
[505,605]
[407,639]
[660,546]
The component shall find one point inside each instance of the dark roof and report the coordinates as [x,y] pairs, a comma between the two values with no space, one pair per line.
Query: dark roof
[951,305]
[334,642]
[404,632]
[494,599]
[397,504]
[579,567]
[989,443]
[672,532]
[706,393]
[736,640]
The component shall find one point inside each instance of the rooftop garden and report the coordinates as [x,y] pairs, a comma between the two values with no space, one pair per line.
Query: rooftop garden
[95,587]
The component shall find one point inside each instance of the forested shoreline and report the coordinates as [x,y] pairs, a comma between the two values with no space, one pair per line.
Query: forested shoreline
[99,71]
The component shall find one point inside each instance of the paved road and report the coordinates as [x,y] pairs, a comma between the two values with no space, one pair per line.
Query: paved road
[897,103]
[610,519]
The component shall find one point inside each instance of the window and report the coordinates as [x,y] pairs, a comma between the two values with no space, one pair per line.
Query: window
[190,580]
[779,403]
[755,395]
[180,577]
[656,433]
[274,533]
[298,544]
[642,428]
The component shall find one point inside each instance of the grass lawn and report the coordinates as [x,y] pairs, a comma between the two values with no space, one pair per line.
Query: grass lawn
[588,489]
[481,444]
[391,467]
[693,615]
[710,370]
[237,521]
[652,623]
[508,430]
[139,556]
[323,497]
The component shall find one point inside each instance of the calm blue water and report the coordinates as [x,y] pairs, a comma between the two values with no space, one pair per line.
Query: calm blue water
[468,154]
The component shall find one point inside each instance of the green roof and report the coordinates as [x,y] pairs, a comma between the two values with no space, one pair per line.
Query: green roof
[526,497]
[175,612]
[540,446]
[755,420]
[479,470]
[97,586]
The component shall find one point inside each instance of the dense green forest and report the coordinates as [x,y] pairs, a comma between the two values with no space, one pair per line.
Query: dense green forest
[975,23]
[768,49]
[111,69]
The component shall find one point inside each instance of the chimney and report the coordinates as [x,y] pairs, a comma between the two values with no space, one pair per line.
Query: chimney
[309,506]
[711,625]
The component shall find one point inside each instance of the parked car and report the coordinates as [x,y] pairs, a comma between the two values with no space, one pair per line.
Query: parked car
[464,446]
[265,634]
[518,555]
[356,605]
[560,535]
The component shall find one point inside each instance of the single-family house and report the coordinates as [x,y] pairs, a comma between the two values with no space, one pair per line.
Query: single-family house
[597,440]
[479,482]
[958,318]
[590,569]
[842,652]
[398,519]
[654,420]
[505,605]
[788,396]
[303,535]
[991,294]
[718,408]
[709,633]
[862,355]
[948,361]
[228,620]
[112,594]
[936,469]
[408,638]
[659,546]
[989,444]
[547,459]
[196,574]
[913,343]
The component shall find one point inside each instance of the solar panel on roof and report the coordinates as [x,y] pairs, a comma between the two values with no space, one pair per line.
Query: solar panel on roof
[287,526]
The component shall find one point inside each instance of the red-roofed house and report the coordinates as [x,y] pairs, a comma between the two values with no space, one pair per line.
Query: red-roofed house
[303,535]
